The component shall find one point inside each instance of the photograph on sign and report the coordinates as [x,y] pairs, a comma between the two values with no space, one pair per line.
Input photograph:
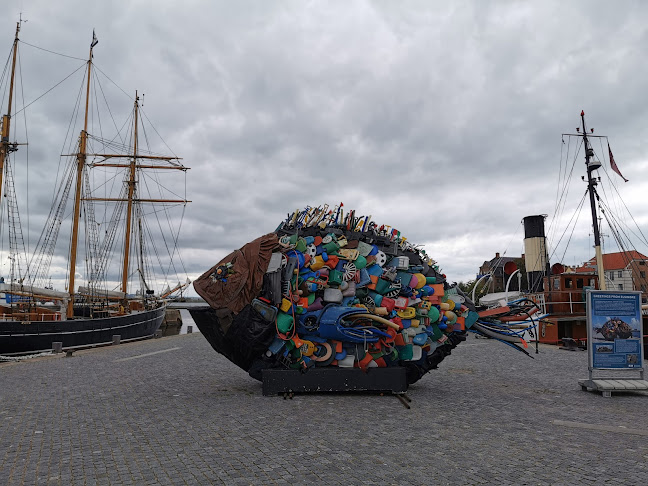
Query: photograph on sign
[614,320]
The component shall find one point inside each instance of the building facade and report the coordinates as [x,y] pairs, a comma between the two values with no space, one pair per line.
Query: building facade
[624,271]
[500,272]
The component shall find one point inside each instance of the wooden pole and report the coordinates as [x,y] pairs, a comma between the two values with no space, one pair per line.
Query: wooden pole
[129,210]
[6,119]
[81,159]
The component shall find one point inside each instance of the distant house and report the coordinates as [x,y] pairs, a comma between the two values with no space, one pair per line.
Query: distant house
[495,267]
[624,270]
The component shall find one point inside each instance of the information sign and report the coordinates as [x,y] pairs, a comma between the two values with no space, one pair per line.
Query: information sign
[614,329]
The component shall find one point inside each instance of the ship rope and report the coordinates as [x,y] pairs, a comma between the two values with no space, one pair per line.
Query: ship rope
[623,241]
[102,229]
[171,249]
[565,175]
[91,239]
[53,52]
[620,207]
[46,246]
[103,256]
[610,204]
[18,255]
[574,218]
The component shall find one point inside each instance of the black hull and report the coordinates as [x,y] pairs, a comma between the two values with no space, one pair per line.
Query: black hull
[34,337]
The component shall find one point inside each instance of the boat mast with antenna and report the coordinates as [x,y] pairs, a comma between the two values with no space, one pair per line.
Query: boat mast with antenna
[5,146]
[592,164]
[131,192]
[81,160]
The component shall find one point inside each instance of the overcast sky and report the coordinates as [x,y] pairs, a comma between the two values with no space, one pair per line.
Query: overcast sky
[442,119]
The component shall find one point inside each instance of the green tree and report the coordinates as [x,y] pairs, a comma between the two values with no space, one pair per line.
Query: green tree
[467,288]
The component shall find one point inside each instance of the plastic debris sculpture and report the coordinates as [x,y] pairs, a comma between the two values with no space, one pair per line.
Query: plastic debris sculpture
[332,290]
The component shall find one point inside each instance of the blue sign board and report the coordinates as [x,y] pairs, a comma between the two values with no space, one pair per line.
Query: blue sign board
[614,329]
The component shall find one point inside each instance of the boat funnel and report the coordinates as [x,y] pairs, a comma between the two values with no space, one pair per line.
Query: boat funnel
[535,251]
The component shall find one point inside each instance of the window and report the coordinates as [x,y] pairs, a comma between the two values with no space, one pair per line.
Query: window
[642,274]
[643,288]
[642,262]
[568,283]
[620,273]
[620,286]
[579,283]
[592,283]
[556,284]
[611,275]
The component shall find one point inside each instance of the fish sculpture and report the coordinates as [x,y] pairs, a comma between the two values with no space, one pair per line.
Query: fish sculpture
[327,289]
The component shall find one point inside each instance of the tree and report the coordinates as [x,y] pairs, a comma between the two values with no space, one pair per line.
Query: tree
[467,288]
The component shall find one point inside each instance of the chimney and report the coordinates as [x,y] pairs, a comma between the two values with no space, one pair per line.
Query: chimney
[497,255]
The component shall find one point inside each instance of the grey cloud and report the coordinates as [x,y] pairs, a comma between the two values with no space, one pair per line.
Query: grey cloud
[441,119]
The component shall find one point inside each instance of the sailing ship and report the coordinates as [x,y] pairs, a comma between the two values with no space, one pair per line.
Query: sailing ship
[559,292]
[34,314]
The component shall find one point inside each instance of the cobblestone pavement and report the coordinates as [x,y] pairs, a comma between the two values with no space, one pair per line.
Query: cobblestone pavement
[171,411]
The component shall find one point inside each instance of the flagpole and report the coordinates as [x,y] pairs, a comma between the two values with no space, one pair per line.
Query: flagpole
[591,187]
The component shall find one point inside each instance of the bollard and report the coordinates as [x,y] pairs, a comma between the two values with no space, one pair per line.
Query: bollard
[57,347]
[189,329]
[116,338]
[68,353]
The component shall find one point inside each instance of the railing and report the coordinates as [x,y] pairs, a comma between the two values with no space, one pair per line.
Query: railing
[560,301]
[46,317]
[539,299]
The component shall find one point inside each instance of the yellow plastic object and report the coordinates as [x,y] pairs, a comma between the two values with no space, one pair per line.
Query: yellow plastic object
[348,254]
[424,307]
[407,313]
[285,305]
[317,263]
[307,348]
[452,317]
[381,311]
[421,280]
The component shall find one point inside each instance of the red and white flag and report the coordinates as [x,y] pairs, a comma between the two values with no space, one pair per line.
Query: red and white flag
[613,164]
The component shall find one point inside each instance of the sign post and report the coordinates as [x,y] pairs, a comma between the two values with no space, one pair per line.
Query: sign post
[614,342]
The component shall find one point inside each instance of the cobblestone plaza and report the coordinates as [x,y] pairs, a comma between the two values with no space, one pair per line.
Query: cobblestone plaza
[171,411]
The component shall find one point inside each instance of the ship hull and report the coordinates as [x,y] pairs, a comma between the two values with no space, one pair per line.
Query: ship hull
[38,336]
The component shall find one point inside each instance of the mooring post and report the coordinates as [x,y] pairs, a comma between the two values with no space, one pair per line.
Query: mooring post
[116,338]
[57,347]
[189,329]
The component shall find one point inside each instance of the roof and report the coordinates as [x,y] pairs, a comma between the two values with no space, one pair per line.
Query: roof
[586,269]
[615,261]
[501,261]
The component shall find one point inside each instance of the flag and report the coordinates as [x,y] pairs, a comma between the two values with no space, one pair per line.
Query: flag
[95,41]
[613,164]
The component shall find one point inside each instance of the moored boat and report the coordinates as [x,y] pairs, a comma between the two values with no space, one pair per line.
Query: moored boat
[34,314]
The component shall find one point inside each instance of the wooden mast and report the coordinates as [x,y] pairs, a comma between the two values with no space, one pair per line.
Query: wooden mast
[131,191]
[6,119]
[591,187]
[81,159]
